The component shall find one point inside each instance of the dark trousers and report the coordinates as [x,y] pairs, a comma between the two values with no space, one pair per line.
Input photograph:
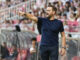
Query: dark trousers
[49,52]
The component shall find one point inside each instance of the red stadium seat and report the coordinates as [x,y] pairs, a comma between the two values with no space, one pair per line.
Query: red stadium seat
[76,58]
[22,55]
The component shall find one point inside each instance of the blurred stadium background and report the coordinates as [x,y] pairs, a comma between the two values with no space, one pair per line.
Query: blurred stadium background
[68,11]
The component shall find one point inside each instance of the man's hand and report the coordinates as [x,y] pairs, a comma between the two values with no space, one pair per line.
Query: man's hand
[63,52]
[63,49]
[21,13]
[29,16]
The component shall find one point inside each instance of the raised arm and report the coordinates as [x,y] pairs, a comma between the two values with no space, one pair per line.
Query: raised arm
[30,16]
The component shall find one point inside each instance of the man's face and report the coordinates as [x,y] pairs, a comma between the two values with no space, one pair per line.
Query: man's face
[33,42]
[49,12]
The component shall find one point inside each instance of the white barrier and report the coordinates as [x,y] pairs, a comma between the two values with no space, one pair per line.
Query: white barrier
[11,12]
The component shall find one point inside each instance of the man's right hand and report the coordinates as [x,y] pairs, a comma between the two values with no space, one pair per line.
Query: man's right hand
[21,13]
[30,16]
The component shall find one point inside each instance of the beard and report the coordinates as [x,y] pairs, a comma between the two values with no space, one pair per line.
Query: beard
[48,17]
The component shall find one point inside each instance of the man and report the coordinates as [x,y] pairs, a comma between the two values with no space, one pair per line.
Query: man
[33,49]
[4,51]
[50,28]
[14,53]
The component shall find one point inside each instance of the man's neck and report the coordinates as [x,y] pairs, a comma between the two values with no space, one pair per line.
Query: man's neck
[52,18]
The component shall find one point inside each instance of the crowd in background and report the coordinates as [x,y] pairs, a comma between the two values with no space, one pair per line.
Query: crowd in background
[6,54]
[9,3]
[67,11]
[25,24]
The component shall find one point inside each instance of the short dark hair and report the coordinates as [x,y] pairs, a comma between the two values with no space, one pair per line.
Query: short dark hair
[53,7]
[33,39]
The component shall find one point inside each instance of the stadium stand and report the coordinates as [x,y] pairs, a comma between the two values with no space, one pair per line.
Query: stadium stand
[68,11]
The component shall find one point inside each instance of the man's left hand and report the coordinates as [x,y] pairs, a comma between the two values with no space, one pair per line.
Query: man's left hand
[63,52]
